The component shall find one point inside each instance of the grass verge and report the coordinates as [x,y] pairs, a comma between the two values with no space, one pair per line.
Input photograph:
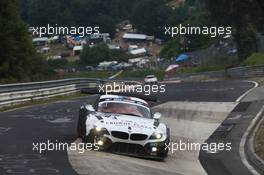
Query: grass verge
[259,141]
[202,69]
[254,59]
[90,74]
[43,101]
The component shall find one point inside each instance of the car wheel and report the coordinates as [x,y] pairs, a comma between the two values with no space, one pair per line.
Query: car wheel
[81,128]
[86,139]
[167,142]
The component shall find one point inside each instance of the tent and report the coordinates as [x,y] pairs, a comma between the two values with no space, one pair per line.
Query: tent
[172,67]
[182,57]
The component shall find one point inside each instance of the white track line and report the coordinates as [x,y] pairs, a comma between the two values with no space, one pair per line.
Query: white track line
[117,74]
[247,92]
[244,137]
[243,142]
[171,81]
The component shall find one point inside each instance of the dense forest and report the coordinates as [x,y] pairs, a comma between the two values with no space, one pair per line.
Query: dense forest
[246,17]
[18,59]
[147,15]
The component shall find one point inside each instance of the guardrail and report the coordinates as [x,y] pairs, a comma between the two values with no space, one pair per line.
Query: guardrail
[237,72]
[249,71]
[16,93]
[11,94]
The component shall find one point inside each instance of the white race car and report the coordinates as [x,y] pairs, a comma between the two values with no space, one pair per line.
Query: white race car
[124,125]
[151,79]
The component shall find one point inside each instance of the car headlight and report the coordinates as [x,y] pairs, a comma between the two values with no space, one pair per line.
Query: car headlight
[98,128]
[156,136]
[101,130]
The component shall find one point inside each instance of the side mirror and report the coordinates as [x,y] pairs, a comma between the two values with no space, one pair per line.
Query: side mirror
[157,116]
[90,108]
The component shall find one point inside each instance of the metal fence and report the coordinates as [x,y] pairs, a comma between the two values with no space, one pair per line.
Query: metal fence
[244,72]
[16,93]
[11,94]
[237,72]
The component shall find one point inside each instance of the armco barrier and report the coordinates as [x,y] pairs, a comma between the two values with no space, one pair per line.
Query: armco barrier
[244,72]
[237,72]
[17,93]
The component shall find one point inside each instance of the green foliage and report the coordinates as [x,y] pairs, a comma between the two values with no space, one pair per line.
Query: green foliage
[151,16]
[18,59]
[254,59]
[58,63]
[148,16]
[259,141]
[191,14]
[246,17]
[102,13]
[246,41]
[207,68]
[90,74]
[171,49]
[100,53]
[198,16]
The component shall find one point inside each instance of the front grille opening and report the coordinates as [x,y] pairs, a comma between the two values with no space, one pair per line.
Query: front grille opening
[128,148]
[120,135]
[138,137]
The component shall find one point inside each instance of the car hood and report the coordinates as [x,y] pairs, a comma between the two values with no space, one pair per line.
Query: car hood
[127,123]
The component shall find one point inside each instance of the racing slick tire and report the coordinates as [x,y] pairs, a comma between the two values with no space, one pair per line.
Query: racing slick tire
[81,128]
[166,142]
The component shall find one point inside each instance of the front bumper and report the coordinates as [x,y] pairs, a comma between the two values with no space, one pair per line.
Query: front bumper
[154,150]
[147,149]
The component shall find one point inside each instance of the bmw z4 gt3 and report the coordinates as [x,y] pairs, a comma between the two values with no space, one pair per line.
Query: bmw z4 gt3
[124,125]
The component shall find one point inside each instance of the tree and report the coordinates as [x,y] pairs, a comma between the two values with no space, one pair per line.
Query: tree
[100,53]
[43,12]
[106,24]
[58,63]
[94,55]
[239,15]
[151,17]
[171,49]
[18,59]
[192,13]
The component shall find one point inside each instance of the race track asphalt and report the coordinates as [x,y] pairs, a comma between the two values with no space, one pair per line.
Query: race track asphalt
[56,122]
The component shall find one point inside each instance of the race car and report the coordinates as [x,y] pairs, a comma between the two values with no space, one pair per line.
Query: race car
[124,125]
[151,79]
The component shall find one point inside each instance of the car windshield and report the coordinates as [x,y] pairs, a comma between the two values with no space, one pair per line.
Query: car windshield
[150,76]
[124,108]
